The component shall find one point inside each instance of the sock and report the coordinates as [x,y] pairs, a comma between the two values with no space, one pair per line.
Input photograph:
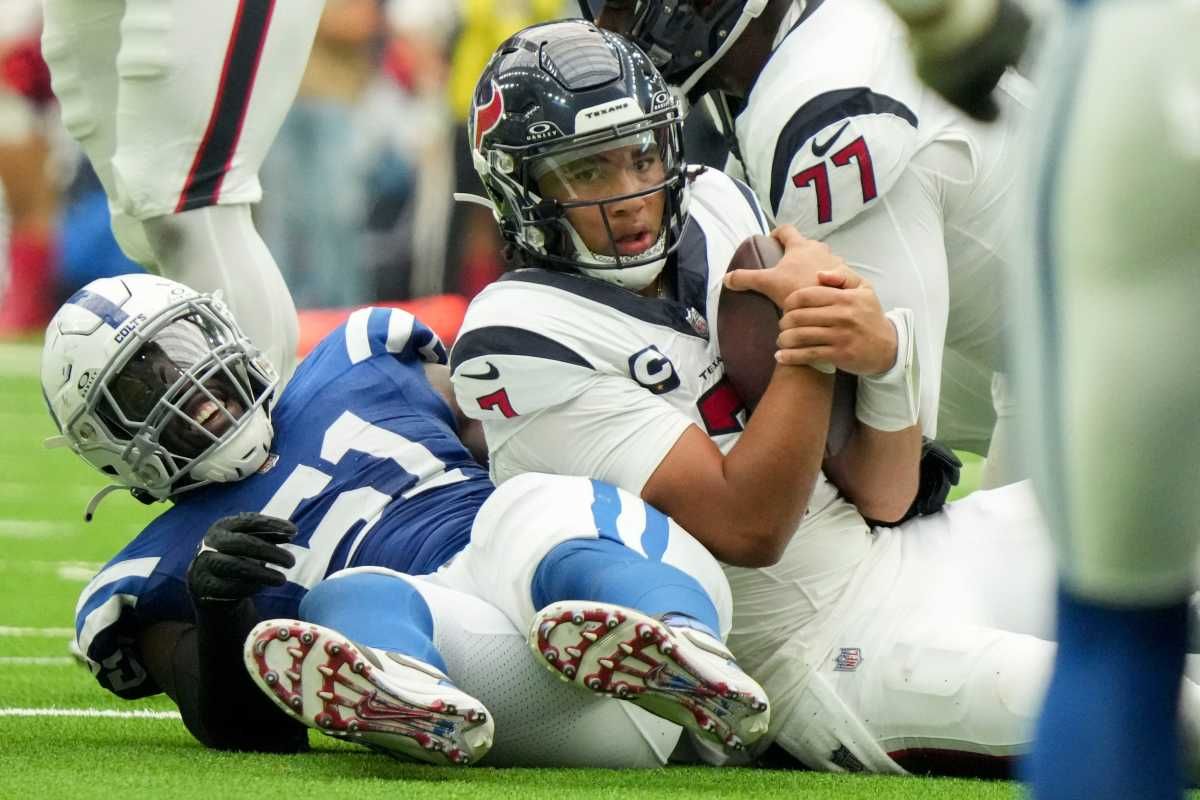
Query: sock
[28,302]
[217,247]
[675,619]
[380,611]
[607,571]
[1110,726]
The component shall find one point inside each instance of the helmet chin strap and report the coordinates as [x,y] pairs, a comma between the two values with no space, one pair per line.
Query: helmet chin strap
[750,12]
[467,197]
[241,454]
[633,278]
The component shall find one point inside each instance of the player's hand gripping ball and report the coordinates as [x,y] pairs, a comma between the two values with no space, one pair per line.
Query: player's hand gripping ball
[747,330]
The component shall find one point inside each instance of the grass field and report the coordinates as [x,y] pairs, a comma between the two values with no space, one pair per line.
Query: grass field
[63,736]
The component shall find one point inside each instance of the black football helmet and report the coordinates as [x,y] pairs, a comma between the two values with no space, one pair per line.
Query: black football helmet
[684,38]
[569,117]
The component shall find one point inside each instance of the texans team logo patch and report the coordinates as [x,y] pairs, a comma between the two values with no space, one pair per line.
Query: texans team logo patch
[848,660]
[487,116]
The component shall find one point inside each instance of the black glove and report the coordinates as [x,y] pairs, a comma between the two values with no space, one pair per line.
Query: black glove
[220,705]
[967,74]
[232,562]
[940,470]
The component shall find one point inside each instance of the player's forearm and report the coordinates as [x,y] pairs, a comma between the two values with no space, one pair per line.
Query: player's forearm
[878,471]
[770,473]
[219,703]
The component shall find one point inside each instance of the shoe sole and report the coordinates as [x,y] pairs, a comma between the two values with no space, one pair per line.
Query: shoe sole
[326,682]
[623,653]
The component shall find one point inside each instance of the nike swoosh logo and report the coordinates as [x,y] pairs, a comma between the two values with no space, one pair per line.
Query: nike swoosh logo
[819,150]
[490,375]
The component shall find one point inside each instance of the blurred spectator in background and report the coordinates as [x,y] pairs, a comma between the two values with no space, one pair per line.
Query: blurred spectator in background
[357,189]
[408,134]
[27,193]
[484,24]
[314,199]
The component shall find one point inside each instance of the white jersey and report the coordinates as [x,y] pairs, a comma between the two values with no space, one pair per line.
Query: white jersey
[842,140]
[576,376]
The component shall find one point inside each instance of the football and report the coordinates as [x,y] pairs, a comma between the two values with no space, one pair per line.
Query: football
[747,327]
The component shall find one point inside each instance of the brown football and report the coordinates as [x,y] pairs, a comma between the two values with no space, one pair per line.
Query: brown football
[747,327]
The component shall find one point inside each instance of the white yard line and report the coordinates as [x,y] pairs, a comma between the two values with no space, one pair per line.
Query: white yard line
[37,661]
[33,529]
[88,712]
[22,490]
[49,633]
[67,570]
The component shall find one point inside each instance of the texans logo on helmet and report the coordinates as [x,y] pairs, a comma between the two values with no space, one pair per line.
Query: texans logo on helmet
[488,116]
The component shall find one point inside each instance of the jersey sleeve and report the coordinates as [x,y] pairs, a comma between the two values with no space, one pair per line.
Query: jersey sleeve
[125,597]
[377,331]
[615,432]
[502,371]
[833,157]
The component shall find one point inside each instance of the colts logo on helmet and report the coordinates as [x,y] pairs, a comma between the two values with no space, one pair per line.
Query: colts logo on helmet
[488,116]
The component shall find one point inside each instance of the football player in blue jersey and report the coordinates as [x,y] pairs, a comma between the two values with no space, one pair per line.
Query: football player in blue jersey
[298,521]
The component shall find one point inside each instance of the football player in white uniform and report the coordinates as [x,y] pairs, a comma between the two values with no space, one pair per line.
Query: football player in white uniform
[1113,266]
[838,137]
[175,104]
[882,649]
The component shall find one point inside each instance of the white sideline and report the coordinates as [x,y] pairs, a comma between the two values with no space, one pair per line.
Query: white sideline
[53,633]
[37,661]
[88,712]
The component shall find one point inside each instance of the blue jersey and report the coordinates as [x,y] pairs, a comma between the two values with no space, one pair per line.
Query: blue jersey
[366,463]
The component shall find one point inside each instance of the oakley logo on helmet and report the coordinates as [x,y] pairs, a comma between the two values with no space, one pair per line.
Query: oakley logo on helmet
[661,100]
[488,116]
[540,131]
[85,382]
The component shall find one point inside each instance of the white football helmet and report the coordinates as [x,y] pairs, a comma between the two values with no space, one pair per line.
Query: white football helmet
[155,385]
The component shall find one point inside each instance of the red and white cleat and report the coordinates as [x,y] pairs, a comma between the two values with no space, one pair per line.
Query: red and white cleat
[387,701]
[679,674]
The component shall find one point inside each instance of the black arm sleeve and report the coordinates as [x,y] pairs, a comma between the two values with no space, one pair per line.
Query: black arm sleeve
[219,703]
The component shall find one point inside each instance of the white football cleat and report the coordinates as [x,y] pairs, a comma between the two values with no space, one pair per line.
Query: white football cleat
[680,674]
[387,701]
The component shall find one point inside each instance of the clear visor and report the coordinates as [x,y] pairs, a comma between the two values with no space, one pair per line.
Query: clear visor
[605,170]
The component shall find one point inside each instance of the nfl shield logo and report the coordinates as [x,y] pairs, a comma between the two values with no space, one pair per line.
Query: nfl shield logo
[697,321]
[848,659]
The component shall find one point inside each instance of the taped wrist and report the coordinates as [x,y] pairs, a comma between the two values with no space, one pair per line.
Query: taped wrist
[890,401]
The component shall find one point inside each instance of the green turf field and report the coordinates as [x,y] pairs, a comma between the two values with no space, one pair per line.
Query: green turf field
[63,736]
